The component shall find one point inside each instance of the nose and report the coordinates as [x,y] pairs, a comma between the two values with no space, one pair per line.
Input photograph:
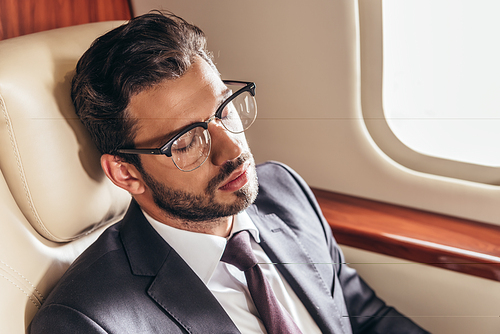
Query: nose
[225,145]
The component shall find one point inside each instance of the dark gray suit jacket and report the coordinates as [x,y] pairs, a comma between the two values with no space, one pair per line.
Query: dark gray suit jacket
[131,281]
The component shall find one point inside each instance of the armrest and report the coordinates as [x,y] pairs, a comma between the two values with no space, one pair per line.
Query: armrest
[457,244]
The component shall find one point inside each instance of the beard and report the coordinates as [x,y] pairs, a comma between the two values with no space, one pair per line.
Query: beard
[204,207]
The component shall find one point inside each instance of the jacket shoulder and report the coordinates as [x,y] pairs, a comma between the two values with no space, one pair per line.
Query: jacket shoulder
[280,185]
[283,192]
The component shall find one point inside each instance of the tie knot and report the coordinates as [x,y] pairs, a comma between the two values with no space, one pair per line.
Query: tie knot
[239,252]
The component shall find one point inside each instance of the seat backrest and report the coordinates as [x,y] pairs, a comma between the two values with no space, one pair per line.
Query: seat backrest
[54,198]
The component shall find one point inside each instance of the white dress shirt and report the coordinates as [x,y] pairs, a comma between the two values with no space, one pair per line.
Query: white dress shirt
[202,252]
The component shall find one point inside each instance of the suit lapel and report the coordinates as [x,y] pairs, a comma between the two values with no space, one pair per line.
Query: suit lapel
[186,298]
[306,272]
[175,288]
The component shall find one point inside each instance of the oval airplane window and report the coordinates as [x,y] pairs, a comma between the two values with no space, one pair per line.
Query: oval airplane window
[441,70]
[430,82]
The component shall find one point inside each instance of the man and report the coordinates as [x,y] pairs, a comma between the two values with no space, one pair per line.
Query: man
[171,133]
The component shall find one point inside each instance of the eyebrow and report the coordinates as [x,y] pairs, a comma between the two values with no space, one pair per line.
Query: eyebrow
[225,95]
[168,136]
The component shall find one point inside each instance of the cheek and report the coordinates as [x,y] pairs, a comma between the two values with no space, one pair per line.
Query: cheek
[162,169]
[158,166]
[241,140]
[197,180]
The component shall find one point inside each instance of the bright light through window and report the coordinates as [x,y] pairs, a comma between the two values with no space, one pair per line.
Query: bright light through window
[441,77]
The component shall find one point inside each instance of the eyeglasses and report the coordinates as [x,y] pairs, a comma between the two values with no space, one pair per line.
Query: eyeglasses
[190,148]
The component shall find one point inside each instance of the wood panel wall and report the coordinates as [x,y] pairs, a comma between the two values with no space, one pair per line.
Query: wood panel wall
[21,17]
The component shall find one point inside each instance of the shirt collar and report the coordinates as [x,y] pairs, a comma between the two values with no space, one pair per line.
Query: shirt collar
[202,252]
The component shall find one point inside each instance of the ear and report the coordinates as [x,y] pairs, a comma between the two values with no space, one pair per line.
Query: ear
[122,174]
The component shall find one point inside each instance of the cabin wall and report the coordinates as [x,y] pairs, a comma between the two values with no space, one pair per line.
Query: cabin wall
[305,59]
[442,301]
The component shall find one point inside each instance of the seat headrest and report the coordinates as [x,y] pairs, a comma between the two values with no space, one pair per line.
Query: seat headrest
[47,157]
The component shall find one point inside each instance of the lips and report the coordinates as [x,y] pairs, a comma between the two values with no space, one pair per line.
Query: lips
[237,179]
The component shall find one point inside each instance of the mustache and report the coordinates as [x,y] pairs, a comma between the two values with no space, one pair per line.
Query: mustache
[226,170]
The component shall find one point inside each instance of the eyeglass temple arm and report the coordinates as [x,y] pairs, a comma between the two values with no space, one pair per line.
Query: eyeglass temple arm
[154,151]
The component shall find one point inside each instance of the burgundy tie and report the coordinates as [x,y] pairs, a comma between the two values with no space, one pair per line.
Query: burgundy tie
[239,253]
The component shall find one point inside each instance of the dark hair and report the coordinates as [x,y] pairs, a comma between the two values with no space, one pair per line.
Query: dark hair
[124,62]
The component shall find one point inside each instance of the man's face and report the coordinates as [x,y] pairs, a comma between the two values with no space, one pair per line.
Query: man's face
[226,183]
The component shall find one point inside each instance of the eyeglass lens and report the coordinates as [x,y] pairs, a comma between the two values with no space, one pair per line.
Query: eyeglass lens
[239,114]
[192,149]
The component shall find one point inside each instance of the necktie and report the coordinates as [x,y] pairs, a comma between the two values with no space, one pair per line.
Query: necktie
[239,253]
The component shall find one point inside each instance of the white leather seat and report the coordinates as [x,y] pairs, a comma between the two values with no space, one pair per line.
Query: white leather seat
[54,198]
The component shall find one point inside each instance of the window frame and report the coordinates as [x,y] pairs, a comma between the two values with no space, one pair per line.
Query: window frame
[371,73]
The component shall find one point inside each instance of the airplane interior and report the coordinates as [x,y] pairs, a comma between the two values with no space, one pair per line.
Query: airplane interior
[421,224]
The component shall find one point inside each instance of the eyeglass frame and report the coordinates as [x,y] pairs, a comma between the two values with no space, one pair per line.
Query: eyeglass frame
[166,149]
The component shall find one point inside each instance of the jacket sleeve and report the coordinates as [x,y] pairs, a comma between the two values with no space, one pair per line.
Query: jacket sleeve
[367,312]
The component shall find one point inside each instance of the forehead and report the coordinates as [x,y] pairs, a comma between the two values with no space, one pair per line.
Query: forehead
[174,104]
